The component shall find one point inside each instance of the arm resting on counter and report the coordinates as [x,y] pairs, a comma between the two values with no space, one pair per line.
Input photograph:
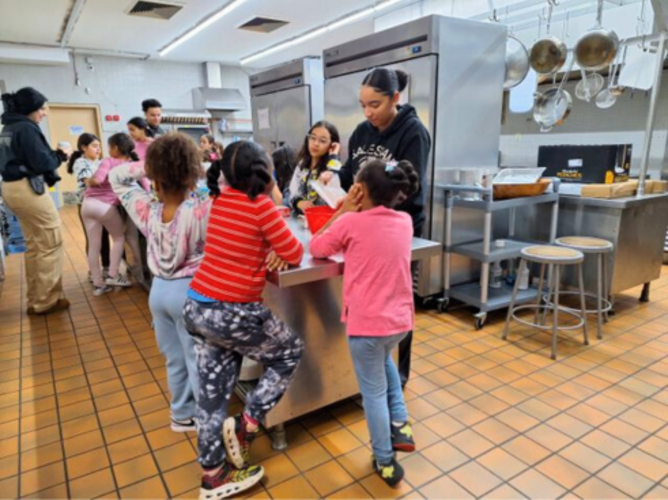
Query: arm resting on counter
[278,234]
[125,181]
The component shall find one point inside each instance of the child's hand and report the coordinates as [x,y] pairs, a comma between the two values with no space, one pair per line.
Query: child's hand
[352,202]
[303,205]
[335,149]
[326,177]
[275,263]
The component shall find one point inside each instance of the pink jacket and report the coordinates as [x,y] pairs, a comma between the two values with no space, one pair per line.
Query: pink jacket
[377,282]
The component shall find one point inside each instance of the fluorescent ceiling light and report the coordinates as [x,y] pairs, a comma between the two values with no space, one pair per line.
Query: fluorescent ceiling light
[356,16]
[201,26]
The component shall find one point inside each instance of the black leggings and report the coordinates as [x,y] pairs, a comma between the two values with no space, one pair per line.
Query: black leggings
[106,247]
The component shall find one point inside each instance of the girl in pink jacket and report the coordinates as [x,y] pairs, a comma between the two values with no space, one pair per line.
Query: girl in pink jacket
[377,298]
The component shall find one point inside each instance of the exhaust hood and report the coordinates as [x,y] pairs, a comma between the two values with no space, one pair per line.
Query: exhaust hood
[218,99]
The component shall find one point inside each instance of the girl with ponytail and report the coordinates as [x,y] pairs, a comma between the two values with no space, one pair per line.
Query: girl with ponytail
[100,211]
[376,243]
[246,237]
[391,132]
[83,163]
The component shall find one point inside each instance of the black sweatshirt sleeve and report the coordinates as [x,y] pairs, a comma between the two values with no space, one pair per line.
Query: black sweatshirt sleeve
[416,151]
[347,172]
[33,149]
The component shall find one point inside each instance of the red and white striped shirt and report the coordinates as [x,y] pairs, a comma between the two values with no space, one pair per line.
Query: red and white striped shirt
[240,235]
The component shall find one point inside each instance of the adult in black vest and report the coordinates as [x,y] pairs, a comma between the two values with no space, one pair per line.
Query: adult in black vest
[28,165]
[391,132]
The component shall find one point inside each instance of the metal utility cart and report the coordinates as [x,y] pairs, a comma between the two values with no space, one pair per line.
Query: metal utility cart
[479,294]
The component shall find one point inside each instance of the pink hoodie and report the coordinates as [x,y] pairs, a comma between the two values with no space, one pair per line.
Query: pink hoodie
[377,280]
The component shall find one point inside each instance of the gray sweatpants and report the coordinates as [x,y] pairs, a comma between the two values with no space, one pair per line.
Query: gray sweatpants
[224,333]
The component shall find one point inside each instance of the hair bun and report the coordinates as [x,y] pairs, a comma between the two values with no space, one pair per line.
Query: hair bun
[402,79]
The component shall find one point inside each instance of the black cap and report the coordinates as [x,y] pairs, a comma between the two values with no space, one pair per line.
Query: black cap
[24,102]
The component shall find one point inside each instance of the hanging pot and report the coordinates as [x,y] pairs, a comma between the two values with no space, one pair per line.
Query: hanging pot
[553,107]
[548,54]
[517,63]
[597,49]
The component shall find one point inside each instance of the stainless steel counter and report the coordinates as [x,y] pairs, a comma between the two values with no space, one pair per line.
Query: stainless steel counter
[615,203]
[309,300]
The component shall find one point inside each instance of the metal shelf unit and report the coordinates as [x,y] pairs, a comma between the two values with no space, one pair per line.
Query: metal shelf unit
[479,294]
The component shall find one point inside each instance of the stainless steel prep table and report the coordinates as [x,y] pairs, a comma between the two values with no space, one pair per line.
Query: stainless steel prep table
[308,299]
[637,227]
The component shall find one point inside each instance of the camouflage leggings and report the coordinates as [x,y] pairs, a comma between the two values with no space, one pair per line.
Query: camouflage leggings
[223,334]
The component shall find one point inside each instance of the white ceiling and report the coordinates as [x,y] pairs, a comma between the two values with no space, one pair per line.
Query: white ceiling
[103,24]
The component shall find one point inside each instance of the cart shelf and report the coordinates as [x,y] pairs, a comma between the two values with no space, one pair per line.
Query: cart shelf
[497,298]
[476,250]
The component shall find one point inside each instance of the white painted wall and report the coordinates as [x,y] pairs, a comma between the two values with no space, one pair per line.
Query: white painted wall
[119,85]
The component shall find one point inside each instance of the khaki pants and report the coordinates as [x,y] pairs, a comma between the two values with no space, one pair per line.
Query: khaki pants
[40,223]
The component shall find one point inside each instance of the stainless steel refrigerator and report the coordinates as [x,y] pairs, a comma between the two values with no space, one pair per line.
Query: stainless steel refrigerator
[456,70]
[285,101]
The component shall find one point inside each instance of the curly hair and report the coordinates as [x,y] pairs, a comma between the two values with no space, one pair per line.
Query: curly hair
[389,184]
[174,162]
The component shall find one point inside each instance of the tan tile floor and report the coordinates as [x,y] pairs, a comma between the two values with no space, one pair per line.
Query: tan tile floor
[84,414]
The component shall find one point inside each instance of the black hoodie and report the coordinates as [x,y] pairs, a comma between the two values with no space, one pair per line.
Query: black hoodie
[22,144]
[405,139]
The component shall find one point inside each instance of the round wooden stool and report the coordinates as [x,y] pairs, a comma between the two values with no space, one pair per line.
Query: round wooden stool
[601,248]
[554,258]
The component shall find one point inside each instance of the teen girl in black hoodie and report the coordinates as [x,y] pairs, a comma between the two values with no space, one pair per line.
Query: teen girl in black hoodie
[391,132]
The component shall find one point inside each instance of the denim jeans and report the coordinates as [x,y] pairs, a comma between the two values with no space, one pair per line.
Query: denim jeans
[380,386]
[166,302]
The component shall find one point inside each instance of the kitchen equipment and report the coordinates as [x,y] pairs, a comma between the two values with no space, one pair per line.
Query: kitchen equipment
[194,124]
[496,275]
[457,68]
[509,191]
[286,101]
[597,48]
[589,164]
[548,54]
[589,86]
[606,99]
[552,107]
[523,175]
[317,217]
[517,63]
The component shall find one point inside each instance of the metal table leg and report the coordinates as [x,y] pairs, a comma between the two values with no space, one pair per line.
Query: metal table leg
[279,441]
[644,296]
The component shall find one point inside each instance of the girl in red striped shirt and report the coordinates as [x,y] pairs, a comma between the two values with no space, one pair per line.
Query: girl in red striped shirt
[227,319]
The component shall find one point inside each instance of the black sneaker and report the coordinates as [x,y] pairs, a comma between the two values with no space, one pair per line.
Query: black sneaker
[392,473]
[402,438]
[229,481]
[238,440]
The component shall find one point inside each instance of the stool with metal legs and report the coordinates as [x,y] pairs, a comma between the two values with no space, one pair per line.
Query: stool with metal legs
[601,248]
[554,258]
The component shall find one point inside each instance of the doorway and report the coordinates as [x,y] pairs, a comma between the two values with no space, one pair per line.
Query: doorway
[66,122]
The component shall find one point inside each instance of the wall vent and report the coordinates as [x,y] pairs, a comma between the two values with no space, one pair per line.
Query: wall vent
[263,25]
[154,10]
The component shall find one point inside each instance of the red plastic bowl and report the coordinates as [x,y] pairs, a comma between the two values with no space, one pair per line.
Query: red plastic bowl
[317,217]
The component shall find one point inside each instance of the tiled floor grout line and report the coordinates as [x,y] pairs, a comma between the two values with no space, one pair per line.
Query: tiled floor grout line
[460,330]
[543,422]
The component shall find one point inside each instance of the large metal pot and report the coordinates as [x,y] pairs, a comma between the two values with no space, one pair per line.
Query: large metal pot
[548,54]
[597,48]
[517,63]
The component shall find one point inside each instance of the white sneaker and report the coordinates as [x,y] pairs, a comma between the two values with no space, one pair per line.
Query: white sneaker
[189,425]
[120,281]
[101,290]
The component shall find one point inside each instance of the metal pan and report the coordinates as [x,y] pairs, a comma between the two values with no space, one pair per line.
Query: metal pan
[517,63]
[597,49]
[553,107]
[548,55]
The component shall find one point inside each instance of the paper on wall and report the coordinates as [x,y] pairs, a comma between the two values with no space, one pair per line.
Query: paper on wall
[263,119]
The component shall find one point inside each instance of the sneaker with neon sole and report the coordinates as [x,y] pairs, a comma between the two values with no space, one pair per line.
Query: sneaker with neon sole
[238,441]
[229,481]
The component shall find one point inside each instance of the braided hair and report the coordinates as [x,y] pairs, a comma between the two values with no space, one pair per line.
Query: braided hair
[389,184]
[246,167]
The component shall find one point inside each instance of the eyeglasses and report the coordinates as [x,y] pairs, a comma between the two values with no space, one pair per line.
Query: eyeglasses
[320,140]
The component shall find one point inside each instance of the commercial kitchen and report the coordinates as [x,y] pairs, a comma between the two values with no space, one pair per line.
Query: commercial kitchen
[540,349]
